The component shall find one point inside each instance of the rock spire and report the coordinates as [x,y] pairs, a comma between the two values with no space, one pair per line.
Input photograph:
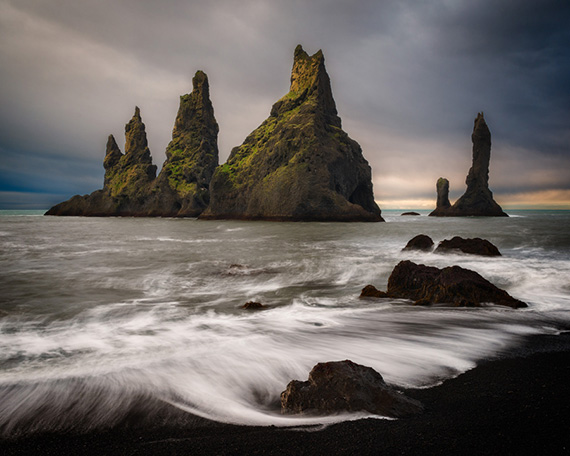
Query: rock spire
[131,187]
[478,198]
[298,164]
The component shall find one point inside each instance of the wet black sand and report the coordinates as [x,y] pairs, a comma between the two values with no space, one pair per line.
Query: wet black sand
[518,404]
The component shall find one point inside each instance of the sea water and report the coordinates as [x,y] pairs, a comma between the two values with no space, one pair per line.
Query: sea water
[95,312]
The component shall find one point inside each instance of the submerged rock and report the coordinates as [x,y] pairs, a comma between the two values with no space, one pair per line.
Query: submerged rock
[252,305]
[344,386]
[475,246]
[419,242]
[452,285]
[478,198]
[299,164]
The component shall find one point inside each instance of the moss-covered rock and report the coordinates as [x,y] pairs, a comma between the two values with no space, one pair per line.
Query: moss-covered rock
[131,187]
[299,164]
[191,157]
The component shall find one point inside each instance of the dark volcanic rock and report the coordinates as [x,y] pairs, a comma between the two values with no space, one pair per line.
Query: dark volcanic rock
[252,305]
[419,242]
[452,285]
[344,386]
[475,246]
[128,178]
[299,164]
[370,291]
[442,204]
[182,188]
[409,213]
[131,187]
[477,199]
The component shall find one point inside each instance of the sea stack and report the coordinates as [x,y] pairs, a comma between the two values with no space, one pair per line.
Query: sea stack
[131,187]
[299,164]
[442,205]
[478,198]
[191,157]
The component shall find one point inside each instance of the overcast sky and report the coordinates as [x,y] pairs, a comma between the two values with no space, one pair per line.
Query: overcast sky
[408,78]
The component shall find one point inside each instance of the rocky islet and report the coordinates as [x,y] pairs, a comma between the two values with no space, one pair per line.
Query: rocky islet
[478,198]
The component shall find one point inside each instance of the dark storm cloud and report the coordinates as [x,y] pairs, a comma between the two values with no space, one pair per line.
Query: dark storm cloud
[408,77]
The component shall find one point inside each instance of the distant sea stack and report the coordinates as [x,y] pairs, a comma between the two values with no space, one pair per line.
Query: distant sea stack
[131,187]
[299,164]
[477,199]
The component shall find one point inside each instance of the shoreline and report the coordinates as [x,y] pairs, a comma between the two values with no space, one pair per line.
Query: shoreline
[516,403]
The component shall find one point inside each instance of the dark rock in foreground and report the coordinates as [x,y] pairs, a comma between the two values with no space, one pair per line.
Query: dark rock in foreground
[131,187]
[299,164]
[478,198]
[409,213]
[344,386]
[420,242]
[452,285]
[475,246]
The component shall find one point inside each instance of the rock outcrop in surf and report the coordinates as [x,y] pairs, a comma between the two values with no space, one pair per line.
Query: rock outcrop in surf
[131,187]
[299,164]
[478,198]
[454,285]
[344,386]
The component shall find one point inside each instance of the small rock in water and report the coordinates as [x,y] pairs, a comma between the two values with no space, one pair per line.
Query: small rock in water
[370,291]
[475,246]
[344,386]
[252,305]
[409,213]
[420,242]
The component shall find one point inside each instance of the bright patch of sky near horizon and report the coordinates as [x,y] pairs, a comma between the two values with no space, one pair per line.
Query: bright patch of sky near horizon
[408,80]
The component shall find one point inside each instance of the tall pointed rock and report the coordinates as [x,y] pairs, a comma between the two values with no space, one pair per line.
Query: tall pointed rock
[299,164]
[113,156]
[478,198]
[132,175]
[191,157]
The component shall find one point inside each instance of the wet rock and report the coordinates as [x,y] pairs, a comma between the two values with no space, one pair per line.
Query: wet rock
[478,198]
[420,242]
[475,246]
[344,386]
[252,305]
[370,291]
[409,213]
[299,164]
[453,285]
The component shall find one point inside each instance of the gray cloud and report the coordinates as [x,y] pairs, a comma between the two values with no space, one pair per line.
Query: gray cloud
[408,79]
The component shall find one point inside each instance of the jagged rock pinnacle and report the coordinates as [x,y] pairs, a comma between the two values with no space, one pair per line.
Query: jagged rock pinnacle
[478,198]
[191,156]
[136,145]
[113,156]
[298,164]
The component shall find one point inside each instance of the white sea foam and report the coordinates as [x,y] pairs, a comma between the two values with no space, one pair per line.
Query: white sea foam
[99,312]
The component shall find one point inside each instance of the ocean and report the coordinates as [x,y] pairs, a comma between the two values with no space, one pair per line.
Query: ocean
[97,313]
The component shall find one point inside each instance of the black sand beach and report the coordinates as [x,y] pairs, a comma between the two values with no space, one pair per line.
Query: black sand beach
[516,404]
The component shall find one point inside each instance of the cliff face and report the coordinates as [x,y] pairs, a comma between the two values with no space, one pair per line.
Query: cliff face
[131,187]
[478,198]
[299,164]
